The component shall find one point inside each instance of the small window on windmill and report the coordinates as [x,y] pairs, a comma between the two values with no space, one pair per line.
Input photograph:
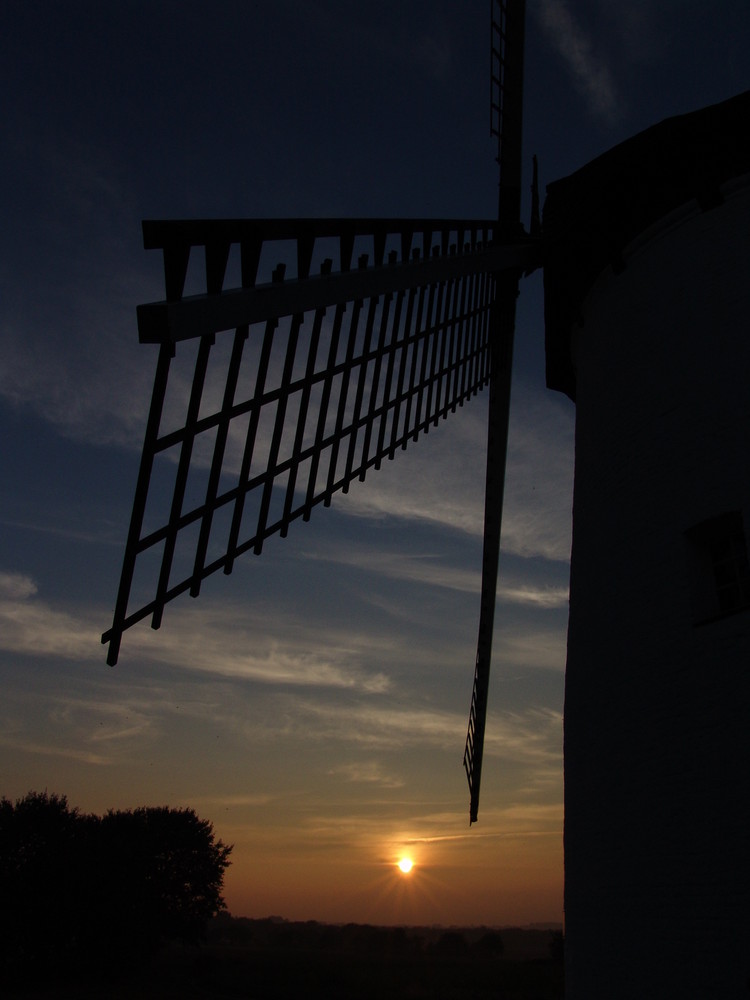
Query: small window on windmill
[717,551]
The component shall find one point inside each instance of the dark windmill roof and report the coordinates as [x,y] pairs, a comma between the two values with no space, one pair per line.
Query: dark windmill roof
[590,216]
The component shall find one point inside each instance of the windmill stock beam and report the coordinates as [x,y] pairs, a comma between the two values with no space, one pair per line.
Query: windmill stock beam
[200,315]
[177,237]
[507,45]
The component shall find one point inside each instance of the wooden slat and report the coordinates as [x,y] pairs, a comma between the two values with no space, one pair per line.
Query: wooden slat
[222,432]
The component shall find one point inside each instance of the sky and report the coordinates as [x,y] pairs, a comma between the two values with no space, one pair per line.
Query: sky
[314,704]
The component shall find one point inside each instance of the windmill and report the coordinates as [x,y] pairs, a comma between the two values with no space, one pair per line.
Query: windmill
[352,360]
[402,321]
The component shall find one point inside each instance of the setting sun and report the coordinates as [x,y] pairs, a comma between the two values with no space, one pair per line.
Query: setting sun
[406,865]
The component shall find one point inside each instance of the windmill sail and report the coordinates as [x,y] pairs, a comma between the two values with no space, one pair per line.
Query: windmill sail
[506,106]
[296,386]
[299,385]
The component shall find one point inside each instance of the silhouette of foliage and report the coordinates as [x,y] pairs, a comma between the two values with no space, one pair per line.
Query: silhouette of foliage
[490,944]
[451,943]
[39,866]
[168,874]
[78,888]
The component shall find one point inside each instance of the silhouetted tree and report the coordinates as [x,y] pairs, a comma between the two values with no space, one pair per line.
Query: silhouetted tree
[79,887]
[41,860]
[162,873]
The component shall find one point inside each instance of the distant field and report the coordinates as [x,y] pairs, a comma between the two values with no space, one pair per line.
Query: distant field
[255,960]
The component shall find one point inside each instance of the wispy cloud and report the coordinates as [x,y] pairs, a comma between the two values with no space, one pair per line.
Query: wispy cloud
[426,569]
[431,570]
[216,640]
[369,772]
[95,390]
[519,647]
[576,47]
[514,820]
[32,746]
[91,726]
[72,534]
[537,597]
[539,476]
[531,737]
[29,625]
[271,646]
[71,355]
[16,587]
[397,826]
[237,801]
[103,722]
[440,479]
[387,726]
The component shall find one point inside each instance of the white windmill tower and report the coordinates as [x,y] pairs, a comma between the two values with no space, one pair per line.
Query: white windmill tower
[647,310]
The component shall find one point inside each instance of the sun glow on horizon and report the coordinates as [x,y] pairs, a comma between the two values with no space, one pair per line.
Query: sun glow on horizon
[405,865]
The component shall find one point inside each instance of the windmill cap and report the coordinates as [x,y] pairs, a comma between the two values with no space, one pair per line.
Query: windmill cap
[593,214]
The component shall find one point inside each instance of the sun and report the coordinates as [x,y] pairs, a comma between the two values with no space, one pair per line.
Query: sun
[406,865]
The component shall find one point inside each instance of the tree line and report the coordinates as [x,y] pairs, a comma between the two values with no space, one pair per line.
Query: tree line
[80,889]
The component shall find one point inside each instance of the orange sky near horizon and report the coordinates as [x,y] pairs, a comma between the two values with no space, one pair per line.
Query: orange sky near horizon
[510,875]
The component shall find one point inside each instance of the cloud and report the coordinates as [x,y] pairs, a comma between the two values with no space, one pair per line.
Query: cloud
[216,640]
[212,641]
[99,717]
[516,820]
[519,647]
[539,476]
[533,736]
[71,355]
[98,732]
[111,535]
[366,772]
[590,73]
[16,587]
[233,801]
[431,570]
[396,825]
[530,737]
[426,568]
[440,480]
[537,597]
[386,726]
[50,750]
[89,388]
[103,721]
[36,628]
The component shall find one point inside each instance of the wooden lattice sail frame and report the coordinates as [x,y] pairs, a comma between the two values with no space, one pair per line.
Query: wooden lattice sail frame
[380,328]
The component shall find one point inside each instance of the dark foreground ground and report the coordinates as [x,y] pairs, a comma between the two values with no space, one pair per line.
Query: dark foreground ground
[274,960]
